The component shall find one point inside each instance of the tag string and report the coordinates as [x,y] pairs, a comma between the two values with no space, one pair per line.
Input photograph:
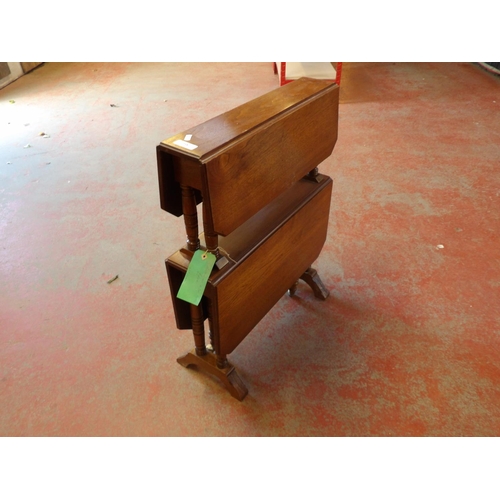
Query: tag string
[225,254]
[218,249]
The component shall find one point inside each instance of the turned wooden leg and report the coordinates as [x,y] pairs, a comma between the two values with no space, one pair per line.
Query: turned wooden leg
[222,361]
[190,217]
[313,175]
[198,329]
[211,237]
[206,360]
[313,280]
[209,364]
[210,346]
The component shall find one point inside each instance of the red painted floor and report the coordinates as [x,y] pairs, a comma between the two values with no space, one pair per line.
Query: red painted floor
[408,344]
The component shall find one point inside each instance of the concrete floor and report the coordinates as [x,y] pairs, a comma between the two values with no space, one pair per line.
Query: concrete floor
[408,343]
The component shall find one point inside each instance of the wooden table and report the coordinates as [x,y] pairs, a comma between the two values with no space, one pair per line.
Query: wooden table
[265,212]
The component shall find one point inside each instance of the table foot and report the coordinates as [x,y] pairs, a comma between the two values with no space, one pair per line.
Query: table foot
[227,375]
[312,278]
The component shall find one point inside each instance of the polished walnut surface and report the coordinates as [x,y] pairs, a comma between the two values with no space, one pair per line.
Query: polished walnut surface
[215,135]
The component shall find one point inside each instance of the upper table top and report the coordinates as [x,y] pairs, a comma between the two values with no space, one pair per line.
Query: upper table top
[210,138]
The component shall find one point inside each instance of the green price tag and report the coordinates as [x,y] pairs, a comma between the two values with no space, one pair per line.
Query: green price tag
[196,278]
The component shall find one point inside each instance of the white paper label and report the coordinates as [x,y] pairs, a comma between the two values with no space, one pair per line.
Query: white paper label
[221,262]
[185,144]
[188,137]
